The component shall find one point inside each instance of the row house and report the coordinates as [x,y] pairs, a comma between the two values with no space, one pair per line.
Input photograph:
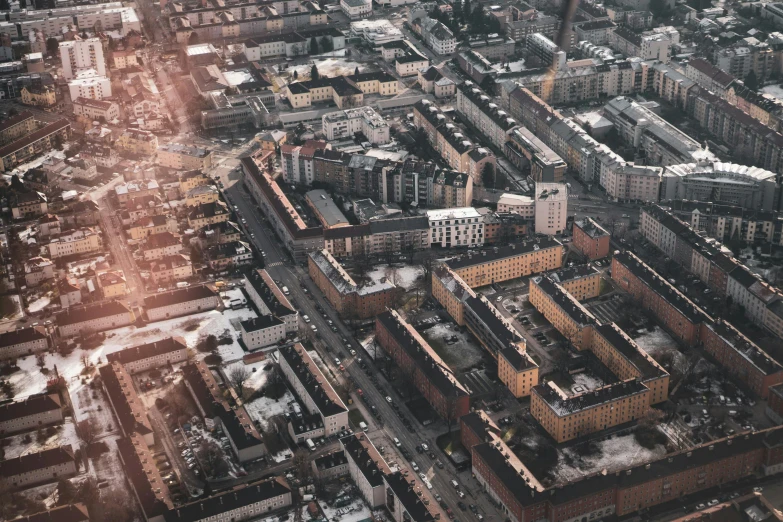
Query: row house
[431,376]
[171,268]
[270,300]
[131,413]
[478,109]
[179,302]
[91,318]
[348,298]
[145,357]
[31,413]
[144,477]
[22,342]
[313,388]
[80,241]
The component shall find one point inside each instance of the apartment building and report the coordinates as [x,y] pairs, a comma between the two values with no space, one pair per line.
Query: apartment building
[68,513]
[144,477]
[708,76]
[346,123]
[269,299]
[91,318]
[527,152]
[139,142]
[37,142]
[478,109]
[551,203]
[171,268]
[184,157]
[80,55]
[432,81]
[431,376]
[633,183]
[561,309]
[518,371]
[112,284]
[38,468]
[436,36]
[92,109]
[207,214]
[452,189]
[508,262]
[411,64]
[567,417]
[752,293]
[675,311]
[127,192]
[179,302]
[158,246]
[366,467]
[31,413]
[26,205]
[262,331]
[581,281]
[313,388]
[145,357]
[591,239]
[647,46]
[331,466]
[201,195]
[79,241]
[347,297]
[451,291]
[224,255]
[17,126]
[297,237]
[117,383]
[91,85]
[403,500]
[150,225]
[672,85]
[244,439]
[456,227]
[22,342]
[764,107]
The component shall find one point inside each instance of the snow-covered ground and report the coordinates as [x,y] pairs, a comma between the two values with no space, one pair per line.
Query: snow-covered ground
[773,90]
[354,512]
[40,303]
[66,434]
[336,66]
[460,355]
[660,345]
[585,382]
[257,378]
[264,408]
[404,276]
[79,268]
[615,453]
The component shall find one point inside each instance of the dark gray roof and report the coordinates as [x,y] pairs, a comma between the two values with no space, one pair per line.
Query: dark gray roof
[145,351]
[565,301]
[22,335]
[566,406]
[260,323]
[34,461]
[32,405]
[179,296]
[503,252]
[364,460]
[320,396]
[408,497]
[89,312]
[403,224]
[230,500]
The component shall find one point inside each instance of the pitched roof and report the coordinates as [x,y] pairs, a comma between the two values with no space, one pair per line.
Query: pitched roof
[145,351]
[89,312]
[127,405]
[69,513]
[178,296]
[34,461]
[230,500]
[32,405]
[22,335]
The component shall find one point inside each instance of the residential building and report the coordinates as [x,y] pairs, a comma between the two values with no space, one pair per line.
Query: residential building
[44,96]
[31,413]
[349,299]
[80,241]
[404,500]
[80,55]
[145,357]
[37,142]
[37,270]
[581,281]
[512,261]
[70,292]
[67,513]
[143,476]
[126,192]
[591,239]
[356,9]
[551,203]
[708,76]
[456,227]
[17,126]
[344,91]
[672,85]
[25,205]
[528,153]
[647,46]
[366,467]
[411,64]
[179,302]
[270,300]
[597,32]
[635,183]
[347,123]
[752,293]
[206,214]
[91,318]
[330,466]
[22,342]
[452,189]
[202,195]
[262,331]
[184,157]
[560,308]
[313,388]
[37,468]
[139,142]
[112,284]
[158,246]
[172,268]
[550,54]
[433,82]
[149,225]
[92,109]
[487,117]
[436,36]
[325,209]
[117,383]
[428,373]
[89,84]
[225,255]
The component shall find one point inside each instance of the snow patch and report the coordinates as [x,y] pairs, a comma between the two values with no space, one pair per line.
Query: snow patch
[404,277]
[264,408]
[616,453]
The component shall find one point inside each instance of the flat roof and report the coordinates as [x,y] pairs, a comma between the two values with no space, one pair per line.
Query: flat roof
[503,252]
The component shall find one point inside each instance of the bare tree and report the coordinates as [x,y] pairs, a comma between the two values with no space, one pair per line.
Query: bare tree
[212,459]
[87,430]
[612,224]
[392,275]
[238,376]
[301,464]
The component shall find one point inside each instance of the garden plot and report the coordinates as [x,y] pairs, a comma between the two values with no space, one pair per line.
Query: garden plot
[64,435]
[461,354]
[404,277]
[610,455]
[662,348]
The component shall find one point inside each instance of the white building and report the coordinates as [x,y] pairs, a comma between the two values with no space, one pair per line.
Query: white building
[437,36]
[81,55]
[341,124]
[376,32]
[145,357]
[517,204]
[24,341]
[89,84]
[551,208]
[453,227]
[262,331]
[183,301]
[95,109]
[355,9]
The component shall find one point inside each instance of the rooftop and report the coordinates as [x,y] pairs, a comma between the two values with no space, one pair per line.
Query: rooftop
[130,411]
[32,405]
[88,312]
[564,405]
[503,252]
[591,228]
[179,296]
[317,386]
[145,351]
[366,457]
[564,300]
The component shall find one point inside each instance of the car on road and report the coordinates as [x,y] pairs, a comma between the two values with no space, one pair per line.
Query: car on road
[712,502]
[353,352]
[423,477]
[337,361]
[462,506]
[313,328]
[473,508]
[388,399]
[425,447]
[263,254]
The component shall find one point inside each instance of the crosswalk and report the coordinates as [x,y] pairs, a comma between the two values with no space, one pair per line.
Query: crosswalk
[276,263]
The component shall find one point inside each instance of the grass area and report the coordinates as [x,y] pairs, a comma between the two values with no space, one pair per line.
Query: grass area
[450,442]
[606,287]
[355,417]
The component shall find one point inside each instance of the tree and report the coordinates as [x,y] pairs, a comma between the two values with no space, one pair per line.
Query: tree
[52,46]
[238,376]
[488,175]
[751,81]
[356,71]
[326,44]
[296,75]
[87,430]
[208,344]
[314,74]
[313,45]
[212,459]
[66,492]
[659,8]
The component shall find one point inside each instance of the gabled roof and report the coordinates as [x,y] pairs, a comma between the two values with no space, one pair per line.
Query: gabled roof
[89,312]
[35,461]
[179,296]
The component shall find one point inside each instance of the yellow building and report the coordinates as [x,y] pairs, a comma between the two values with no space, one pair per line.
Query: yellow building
[509,262]
[39,97]
[139,142]
[450,291]
[201,195]
[582,281]
[517,371]
[345,91]
[148,225]
[112,284]
[192,179]
[184,157]
[565,313]
[567,417]
[207,214]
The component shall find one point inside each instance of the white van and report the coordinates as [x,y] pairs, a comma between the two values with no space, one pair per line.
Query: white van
[414,466]
[306,318]
[363,426]
[310,444]
[285,290]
